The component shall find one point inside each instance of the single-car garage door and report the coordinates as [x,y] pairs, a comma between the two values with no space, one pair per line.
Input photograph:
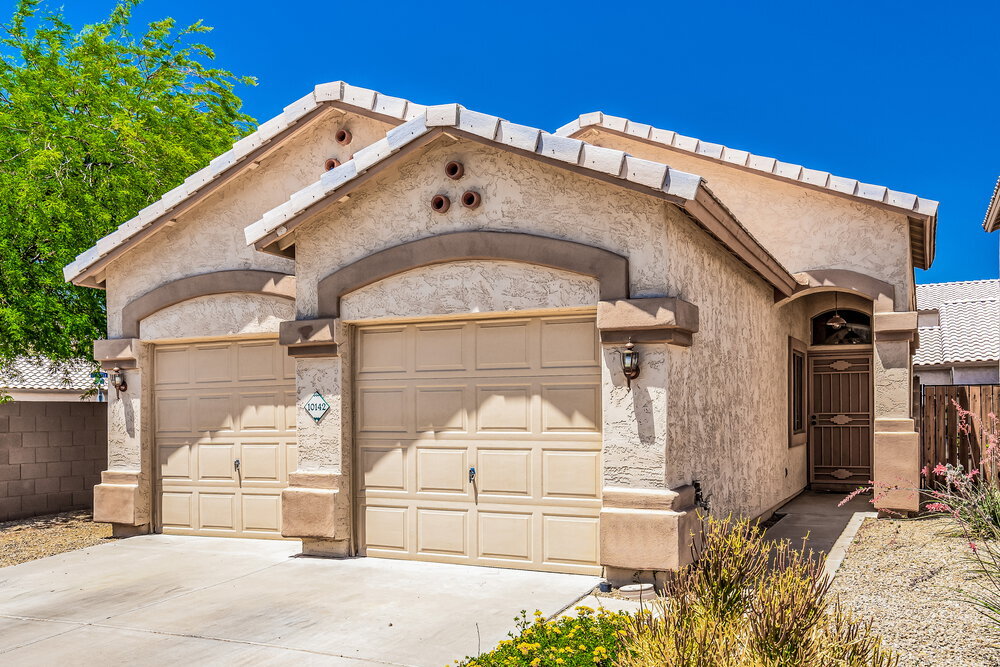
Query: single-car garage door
[225,436]
[479,442]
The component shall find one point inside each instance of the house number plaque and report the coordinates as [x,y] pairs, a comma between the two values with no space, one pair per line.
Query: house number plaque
[316,406]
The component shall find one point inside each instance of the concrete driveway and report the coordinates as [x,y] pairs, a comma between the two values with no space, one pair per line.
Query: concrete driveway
[158,599]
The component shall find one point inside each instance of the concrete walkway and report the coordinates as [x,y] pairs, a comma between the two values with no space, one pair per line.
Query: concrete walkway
[825,527]
[167,600]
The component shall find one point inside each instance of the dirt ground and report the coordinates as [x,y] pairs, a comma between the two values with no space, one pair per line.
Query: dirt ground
[38,537]
[910,577]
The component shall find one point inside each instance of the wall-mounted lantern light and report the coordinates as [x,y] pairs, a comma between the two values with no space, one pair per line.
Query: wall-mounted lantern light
[117,380]
[630,362]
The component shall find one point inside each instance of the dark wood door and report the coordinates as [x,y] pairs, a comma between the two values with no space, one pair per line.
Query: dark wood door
[840,420]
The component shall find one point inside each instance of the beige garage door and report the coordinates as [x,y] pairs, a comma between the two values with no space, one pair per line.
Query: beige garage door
[217,404]
[518,401]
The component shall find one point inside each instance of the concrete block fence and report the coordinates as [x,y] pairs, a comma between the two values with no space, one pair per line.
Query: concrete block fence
[51,456]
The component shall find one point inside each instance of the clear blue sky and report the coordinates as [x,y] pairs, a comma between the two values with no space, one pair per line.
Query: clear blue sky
[901,94]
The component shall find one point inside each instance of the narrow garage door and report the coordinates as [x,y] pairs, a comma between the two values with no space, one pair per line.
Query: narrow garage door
[219,403]
[514,405]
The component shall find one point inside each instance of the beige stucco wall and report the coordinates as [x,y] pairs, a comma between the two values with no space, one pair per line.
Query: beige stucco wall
[803,228]
[652,437]
[469,287]
[210,237]
[518,195]
[727,407]
[218,315]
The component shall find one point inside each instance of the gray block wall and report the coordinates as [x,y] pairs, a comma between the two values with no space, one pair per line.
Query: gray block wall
[51,456]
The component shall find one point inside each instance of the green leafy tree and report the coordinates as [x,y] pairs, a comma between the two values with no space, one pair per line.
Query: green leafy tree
[95,124]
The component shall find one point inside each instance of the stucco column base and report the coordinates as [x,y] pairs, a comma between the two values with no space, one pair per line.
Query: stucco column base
[118,501]
[897,465]
[326,548]
[313,507]
[647,529]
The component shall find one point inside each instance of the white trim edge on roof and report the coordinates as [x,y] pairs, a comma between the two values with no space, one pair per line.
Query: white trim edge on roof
[992,220]
[338,93]
[907,203]
[605,161]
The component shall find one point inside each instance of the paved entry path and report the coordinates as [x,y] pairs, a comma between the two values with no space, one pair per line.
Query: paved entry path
[169,600]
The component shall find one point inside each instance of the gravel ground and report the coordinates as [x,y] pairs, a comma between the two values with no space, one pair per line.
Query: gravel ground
[907,575]
[28,539]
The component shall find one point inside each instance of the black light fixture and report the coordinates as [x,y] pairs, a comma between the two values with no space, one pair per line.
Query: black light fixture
[836,322]
[117,380]
[630,362]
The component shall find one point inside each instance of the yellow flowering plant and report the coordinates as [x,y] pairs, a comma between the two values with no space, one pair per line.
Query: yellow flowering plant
[592,638]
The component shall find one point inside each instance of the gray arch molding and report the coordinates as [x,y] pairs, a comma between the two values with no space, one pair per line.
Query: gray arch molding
[610,269]
[206,284]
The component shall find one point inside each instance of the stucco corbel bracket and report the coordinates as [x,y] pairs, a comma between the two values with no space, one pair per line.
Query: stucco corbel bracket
[311,338]
[647,320]
[896,326]
[117,352]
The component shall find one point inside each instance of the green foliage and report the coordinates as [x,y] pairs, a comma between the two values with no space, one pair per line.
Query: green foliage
[592,639]
[94,126]
[749,602]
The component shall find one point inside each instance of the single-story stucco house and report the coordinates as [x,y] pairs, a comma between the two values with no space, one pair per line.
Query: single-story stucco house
[959,330]
[429,333]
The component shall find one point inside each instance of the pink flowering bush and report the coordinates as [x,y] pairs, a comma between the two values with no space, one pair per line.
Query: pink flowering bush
[972,501]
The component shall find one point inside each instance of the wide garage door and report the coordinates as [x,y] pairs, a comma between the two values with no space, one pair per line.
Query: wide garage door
[225,438]
[479,442]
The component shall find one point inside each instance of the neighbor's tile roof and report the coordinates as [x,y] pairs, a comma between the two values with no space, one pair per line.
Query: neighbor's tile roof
[338,93]
[969,328]
[767,165]
[41,374]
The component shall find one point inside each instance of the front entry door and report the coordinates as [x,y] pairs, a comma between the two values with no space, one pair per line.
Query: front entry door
[840,422]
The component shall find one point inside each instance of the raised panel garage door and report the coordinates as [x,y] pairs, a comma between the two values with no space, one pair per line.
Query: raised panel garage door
[219,403]
[514,405]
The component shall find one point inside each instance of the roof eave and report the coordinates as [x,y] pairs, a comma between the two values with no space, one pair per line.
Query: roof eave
[701,205]
[922,213]
[992,220]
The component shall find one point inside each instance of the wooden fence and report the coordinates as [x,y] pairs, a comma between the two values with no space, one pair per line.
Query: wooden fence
[942,440]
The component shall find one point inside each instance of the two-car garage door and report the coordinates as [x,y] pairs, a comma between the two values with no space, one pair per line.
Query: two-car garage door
[225,436]
[479,442]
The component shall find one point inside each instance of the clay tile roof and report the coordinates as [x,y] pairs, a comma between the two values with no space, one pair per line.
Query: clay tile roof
[969,327]
[41,374]
[605,161]
[337,93]
[907,203]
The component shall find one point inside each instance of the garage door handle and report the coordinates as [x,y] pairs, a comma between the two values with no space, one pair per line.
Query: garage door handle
[236,465]
[472,475]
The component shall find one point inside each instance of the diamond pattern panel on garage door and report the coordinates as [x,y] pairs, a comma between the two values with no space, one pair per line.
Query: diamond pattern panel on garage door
[518,400]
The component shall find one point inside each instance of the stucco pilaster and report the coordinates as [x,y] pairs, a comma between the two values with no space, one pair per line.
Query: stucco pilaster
[125,496]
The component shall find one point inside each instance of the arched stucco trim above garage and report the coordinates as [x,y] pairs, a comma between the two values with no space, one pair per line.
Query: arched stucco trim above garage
[608,268]
[880,293]
[206,284]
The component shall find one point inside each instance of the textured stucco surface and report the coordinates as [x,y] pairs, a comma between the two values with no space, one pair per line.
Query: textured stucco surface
[210,237]
[803,228]
[727,405]
[218,315]
[475,286]
[519,194]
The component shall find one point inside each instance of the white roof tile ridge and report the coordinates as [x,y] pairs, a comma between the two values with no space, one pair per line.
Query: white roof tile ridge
[335,91]
[767,165]
[960,282]
[653,175]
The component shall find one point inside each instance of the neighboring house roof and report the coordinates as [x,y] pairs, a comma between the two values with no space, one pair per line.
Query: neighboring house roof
[913,206]
[251,148]
[40,374]
[606,164]
[969,329]
[992,220]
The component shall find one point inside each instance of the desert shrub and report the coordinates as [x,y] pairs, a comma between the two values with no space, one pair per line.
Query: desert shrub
[592,638]
[749,602]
